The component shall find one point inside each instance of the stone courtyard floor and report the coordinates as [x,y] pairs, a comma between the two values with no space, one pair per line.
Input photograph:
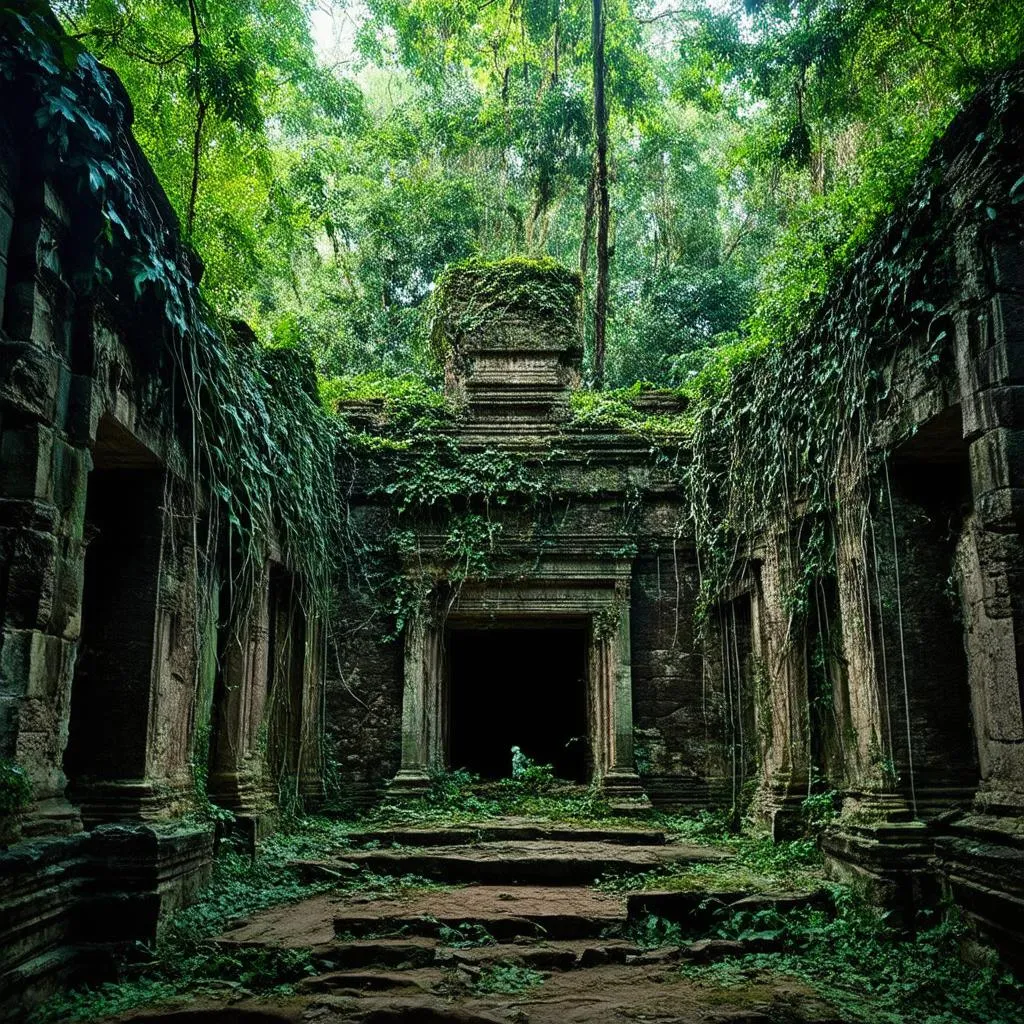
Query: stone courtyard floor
[512,930]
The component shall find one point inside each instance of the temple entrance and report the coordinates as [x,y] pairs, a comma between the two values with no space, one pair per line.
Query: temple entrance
[524,687]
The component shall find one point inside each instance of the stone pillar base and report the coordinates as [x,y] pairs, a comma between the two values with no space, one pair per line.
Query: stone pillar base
[999,802]
[130,800]
[624,793]
[54,817]
[980,860]
[874,808]
[249,799]
[409,784]
[780,808]
[889,860]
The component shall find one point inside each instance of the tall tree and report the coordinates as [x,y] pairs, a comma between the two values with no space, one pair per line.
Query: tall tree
[601,188]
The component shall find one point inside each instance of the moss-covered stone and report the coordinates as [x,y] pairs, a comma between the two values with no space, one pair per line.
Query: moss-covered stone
[479,293]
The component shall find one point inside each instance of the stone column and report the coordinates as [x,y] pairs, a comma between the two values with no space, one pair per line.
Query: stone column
[785,753]
[980,855]
[875,843]
[240,779]
[990,360]
[871,783]
[42,487]
[618,775]
[422,708]
[311,787]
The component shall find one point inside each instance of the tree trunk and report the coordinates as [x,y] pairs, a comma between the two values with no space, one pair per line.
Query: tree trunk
[603,203]
[588,227]
[197,139]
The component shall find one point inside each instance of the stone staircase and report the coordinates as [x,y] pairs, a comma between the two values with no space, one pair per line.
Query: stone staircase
[512,896]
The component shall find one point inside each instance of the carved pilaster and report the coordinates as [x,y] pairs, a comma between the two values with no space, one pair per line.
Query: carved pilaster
[785,757]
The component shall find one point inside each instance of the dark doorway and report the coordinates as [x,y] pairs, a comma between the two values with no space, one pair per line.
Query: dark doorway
[110,698]
[518,687]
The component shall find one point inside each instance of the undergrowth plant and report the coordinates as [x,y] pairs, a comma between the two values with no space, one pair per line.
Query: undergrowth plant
[186,960]
[869,971]
[507,979]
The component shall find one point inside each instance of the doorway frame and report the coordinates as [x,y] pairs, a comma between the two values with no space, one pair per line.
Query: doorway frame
[600,603]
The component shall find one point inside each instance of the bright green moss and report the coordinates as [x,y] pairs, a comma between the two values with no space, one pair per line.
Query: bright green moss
[474,292]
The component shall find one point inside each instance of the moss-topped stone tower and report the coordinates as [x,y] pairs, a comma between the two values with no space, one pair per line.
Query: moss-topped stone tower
[509,337]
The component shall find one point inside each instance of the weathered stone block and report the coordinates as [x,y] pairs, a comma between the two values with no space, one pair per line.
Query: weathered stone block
[1001,406]
[997,460]
[32,576]
[981,859]
[39,885]
[26,462]
[42,662]
[1007,262]
[30,380]
[143,873]
[1000,365]
[1002,510]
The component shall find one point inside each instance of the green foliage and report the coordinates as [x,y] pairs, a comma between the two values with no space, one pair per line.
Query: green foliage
[468,935]
[530,776]
[15,795]
[474,293]
[407,403]
[870,972]
[458,796]
[15,787]
[757,863]
[619,409]
[820,808]
[653,932]
[754,150]
[507,979]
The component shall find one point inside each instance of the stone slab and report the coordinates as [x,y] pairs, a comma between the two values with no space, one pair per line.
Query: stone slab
[508,831]
[553,863]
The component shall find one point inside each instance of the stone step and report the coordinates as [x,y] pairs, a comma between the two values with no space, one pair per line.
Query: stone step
[360,957]
[482,913]
[497,832]
[697,910]
[529,863]
[546,955]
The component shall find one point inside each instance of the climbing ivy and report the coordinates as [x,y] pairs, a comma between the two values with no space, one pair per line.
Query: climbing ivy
[778,423]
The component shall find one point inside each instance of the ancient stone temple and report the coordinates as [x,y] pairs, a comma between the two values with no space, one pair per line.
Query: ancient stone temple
[566,642]
[520,565]
[121,675]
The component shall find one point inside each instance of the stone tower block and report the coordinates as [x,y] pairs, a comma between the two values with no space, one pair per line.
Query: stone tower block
[509,337]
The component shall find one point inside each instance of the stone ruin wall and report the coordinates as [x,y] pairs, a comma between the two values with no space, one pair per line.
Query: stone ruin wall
[109,689]
[916,717]
[675,708]
[900,689]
